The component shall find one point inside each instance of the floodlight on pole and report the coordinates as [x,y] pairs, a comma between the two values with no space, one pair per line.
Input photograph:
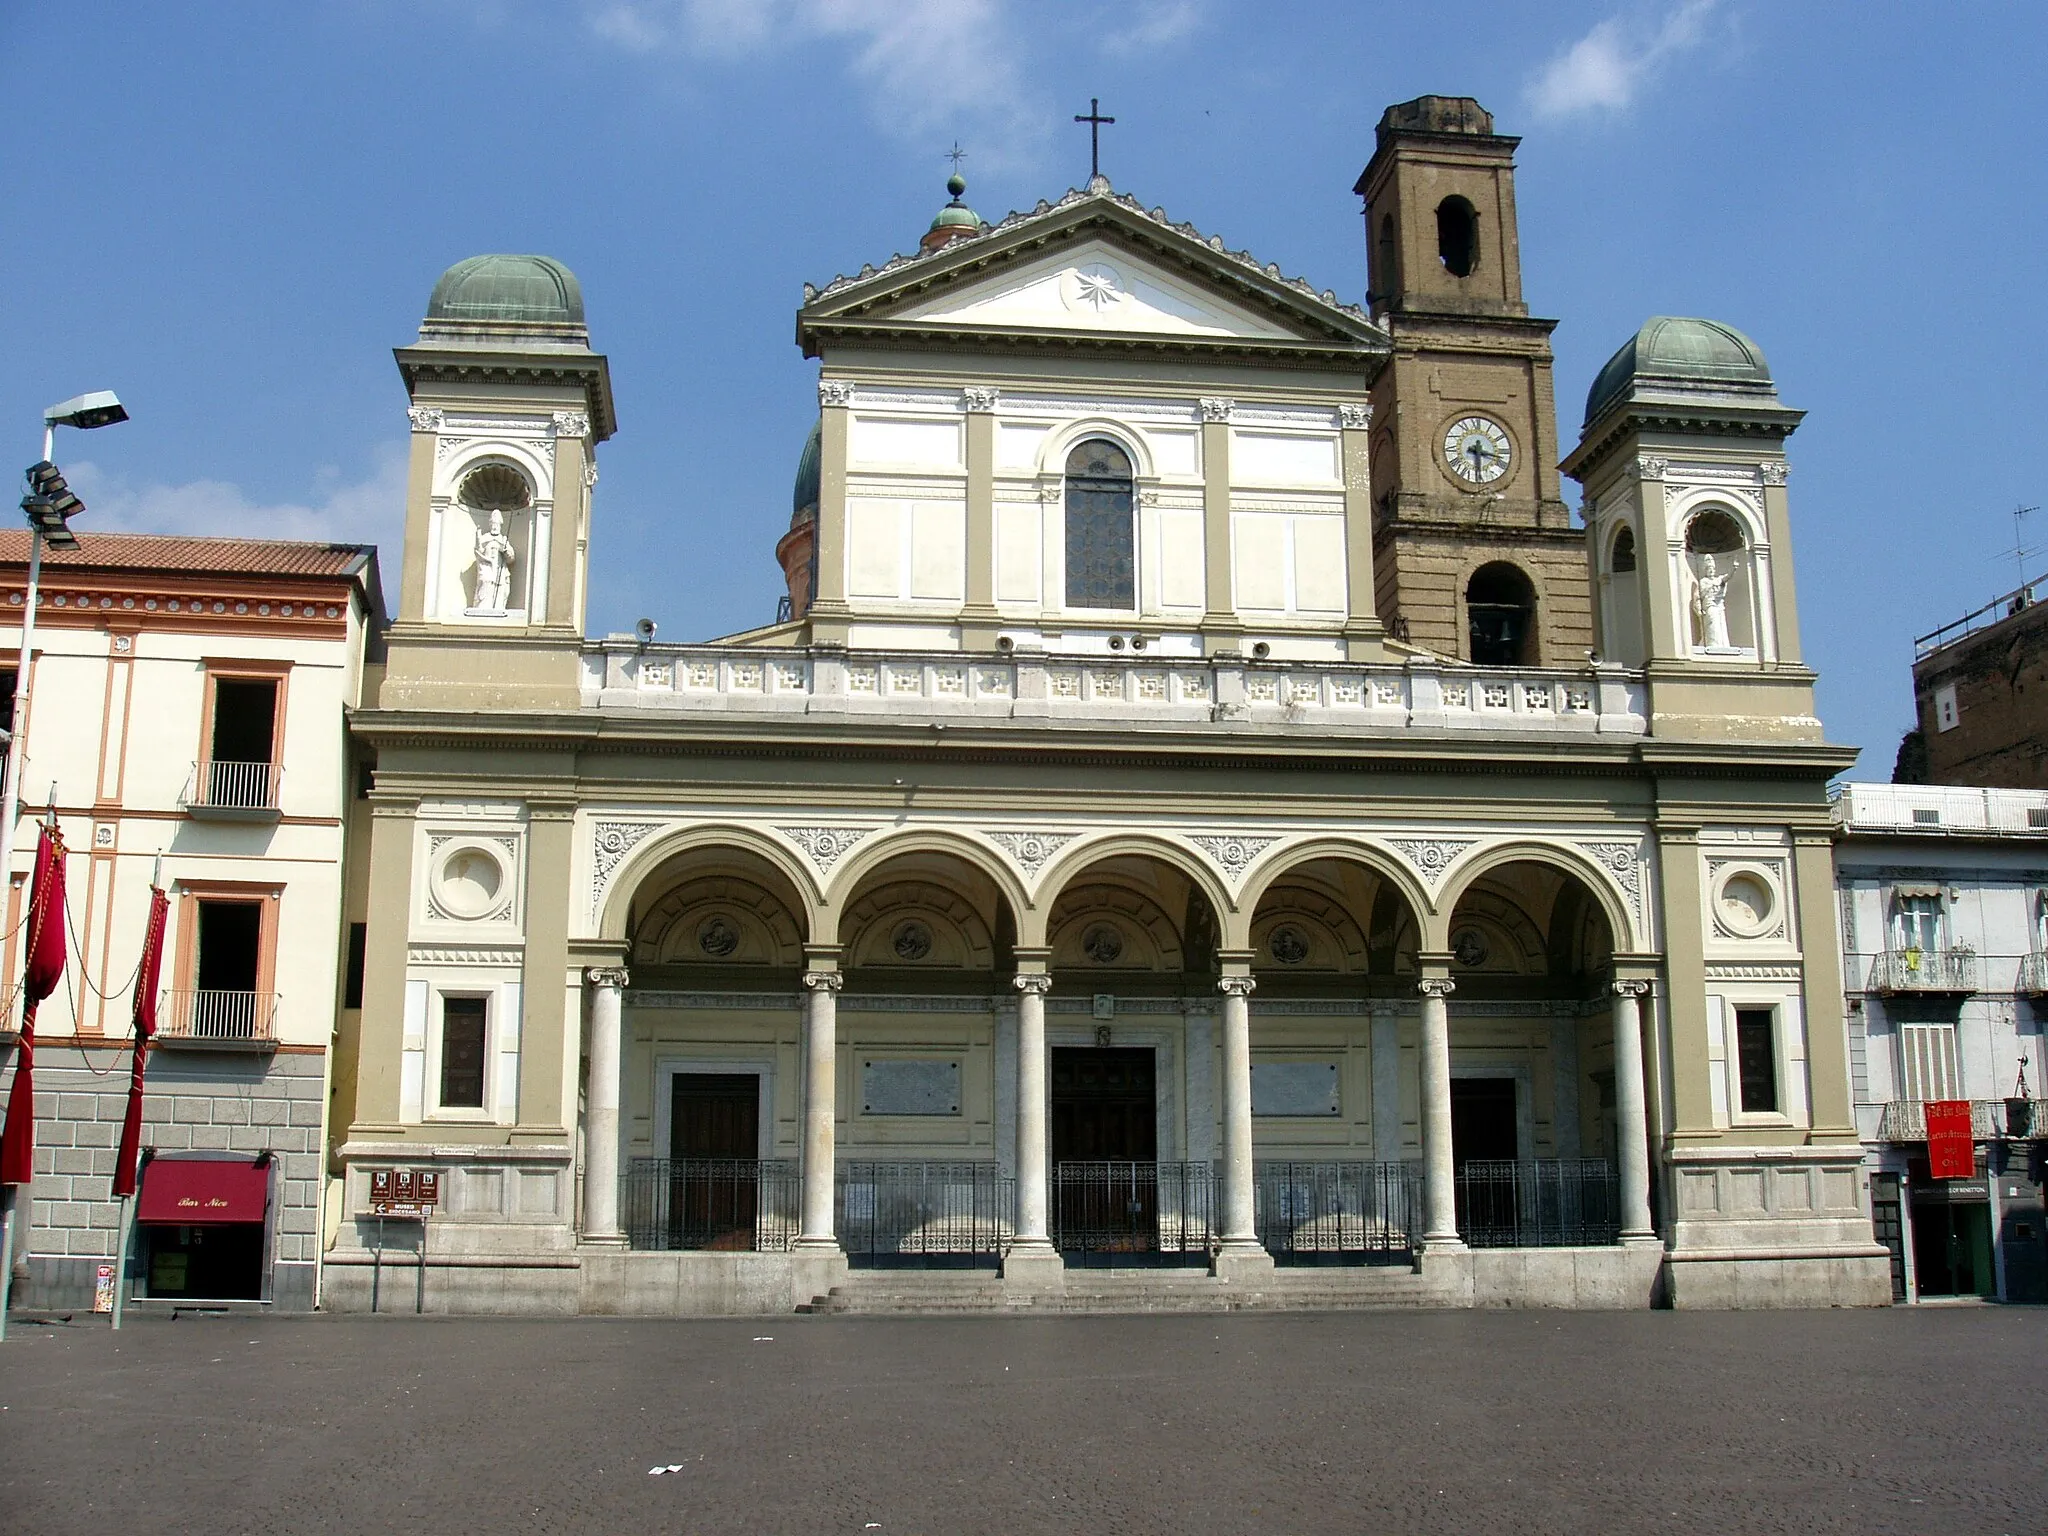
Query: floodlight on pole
[49,506]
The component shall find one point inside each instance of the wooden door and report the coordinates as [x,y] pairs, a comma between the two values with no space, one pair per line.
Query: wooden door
[714,1144]
[1105,1148]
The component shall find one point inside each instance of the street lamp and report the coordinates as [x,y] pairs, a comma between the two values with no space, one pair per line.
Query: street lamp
[49,507]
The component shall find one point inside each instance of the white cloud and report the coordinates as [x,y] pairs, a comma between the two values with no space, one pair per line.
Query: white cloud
[1156,24]
[366,511]
[1604,70]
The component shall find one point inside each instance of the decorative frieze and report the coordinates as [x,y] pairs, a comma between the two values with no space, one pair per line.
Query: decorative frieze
[1431,856]
[612,841]
[825,845]
[1234,853]
[1624,861]
[1031,849]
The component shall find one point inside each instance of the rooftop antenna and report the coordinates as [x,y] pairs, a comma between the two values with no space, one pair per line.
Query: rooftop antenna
[2022,552]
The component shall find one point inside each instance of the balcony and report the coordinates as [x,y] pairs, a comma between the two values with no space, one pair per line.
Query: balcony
[1925,972]
[2033,980]
[219,1021]
[233,791]
[1990,1120]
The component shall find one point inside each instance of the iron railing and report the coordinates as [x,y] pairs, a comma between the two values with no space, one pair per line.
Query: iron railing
[921,1212]
[725,1204]
[1134,1209]
[1336,1211]
[219,1018]
[237,787]
[2033,977]
[1565,1202]
[1924,970]
[1990,1119]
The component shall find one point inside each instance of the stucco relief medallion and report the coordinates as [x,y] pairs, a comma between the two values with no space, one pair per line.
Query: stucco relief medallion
[1095,289]
[1431,856]
[612,840]
[825,845]
[1624,861]
[1031,849]
[1235,854]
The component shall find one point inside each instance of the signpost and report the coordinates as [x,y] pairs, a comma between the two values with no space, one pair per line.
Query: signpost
[402,1194]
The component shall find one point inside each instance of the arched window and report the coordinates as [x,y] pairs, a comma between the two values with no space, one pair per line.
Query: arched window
[1457,236]
[1500,613]
[1621,633]
[1624,552]
[1101,534]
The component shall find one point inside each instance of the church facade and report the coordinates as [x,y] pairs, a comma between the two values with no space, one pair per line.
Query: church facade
[1209,817]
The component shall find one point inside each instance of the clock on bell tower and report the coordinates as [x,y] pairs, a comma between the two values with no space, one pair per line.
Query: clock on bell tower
[1474,550]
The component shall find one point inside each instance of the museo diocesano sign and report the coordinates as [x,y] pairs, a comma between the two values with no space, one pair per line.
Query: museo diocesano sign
[404,1191]
[1951,1152]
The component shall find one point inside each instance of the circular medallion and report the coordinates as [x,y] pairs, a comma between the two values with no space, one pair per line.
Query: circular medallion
[1289,945]
[913,941]
[1103,944]
[718,938]
[1470,947]
[1746,904]
[1477,450]
[468,882]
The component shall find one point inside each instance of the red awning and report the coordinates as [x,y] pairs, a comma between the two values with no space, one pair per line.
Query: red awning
[191,1191]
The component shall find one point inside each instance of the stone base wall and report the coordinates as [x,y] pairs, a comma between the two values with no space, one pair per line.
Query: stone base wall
[193,1101]
[1773,1227]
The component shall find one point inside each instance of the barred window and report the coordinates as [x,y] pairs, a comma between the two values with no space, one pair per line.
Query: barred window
[1101,533]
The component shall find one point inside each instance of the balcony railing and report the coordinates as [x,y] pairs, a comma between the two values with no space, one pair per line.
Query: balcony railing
[1133,1212]
[2033,980]
[1990,1119]
[1952,971]
[226,1020]
[1323,1212]
[726,1204]
[1539,1203]
[234,791]
[923,1212]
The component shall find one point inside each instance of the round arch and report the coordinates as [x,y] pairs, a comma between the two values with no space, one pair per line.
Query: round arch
[656,851]
[1062,439]
[1076,858]
[1739,510]
[519,455]
[876,851]
[1461,877]
[1270,868]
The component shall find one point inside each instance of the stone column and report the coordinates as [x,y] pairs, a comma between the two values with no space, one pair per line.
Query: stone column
[601,1111]
[821,1102]
[1439,1174]
[1631,1120]
[1239,1253]
[1031,1254]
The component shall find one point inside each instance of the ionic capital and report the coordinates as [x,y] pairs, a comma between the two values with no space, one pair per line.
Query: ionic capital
[1035,982]
[1236,986]
[1436,986]
[614,976]
[823,981]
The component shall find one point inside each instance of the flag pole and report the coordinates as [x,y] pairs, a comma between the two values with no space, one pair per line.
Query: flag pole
[144,1004]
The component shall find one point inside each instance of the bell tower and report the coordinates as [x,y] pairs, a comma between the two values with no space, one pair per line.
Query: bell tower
[1474,550]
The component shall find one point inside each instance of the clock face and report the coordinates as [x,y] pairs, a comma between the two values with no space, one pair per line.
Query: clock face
[1477,450]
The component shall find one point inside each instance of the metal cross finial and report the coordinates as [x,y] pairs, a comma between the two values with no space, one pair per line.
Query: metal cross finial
[1094,120]
[956,154]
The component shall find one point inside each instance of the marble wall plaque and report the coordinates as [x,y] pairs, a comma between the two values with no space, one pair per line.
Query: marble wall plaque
[1294,1088]
[910,1087]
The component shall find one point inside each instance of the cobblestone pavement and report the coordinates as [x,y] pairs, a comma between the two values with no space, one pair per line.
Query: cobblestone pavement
[1901,1421]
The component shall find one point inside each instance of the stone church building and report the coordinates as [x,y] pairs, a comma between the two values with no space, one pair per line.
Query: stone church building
[1211,823]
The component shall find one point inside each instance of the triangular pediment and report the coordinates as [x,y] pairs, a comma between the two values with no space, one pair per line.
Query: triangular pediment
[1095,264]
[1095,285]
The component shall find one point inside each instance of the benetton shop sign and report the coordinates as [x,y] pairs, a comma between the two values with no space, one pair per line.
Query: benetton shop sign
[1951,1150]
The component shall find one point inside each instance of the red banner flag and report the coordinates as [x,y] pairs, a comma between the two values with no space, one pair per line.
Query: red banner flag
[45,969]
[1951,1151]
[147,979]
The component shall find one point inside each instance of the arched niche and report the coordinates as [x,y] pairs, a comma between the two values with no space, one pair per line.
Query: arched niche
[1622,636]
[1125,916]
[924,911]
[1530,925]
[1720,595]
[719,908]
[1332,916]
[1500,616]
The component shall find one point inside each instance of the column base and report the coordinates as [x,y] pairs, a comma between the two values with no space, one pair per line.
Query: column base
[1451,1244]
[1241,1263]
[818,1247]
[603,1240]
[1034,1268]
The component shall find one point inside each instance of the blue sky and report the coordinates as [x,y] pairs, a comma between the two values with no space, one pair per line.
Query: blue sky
[231,212]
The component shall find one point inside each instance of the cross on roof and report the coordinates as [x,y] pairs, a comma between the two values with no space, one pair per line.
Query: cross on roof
[1094,120]
[956,154]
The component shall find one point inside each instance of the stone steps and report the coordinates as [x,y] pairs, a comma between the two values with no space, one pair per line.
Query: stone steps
[1112,1291]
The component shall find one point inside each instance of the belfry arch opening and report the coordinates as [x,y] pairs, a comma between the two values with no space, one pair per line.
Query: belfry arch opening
[1500,616]
[1457,236]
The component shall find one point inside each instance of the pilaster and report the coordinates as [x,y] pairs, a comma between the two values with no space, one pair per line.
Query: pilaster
[828,603]
[1221,628]
[550,1036]
[1363,631]
[1684,905]
[380,1063]
[978,617]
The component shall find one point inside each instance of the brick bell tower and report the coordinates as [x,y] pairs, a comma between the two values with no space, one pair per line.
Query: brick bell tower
[1474,550]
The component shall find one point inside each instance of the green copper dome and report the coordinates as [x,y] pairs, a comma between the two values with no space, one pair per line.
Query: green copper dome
[804,504]
[956,214]
[508,290]
[1682,352]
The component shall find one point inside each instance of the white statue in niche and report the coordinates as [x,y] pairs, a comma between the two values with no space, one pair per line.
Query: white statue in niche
[1710,606]
[493,568]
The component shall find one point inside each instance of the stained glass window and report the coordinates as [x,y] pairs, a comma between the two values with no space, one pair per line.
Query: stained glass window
[1101,538]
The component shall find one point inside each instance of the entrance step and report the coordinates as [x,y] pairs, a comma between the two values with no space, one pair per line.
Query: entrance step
[1115,1291]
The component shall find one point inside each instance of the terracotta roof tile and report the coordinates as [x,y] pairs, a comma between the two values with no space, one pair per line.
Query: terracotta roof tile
[202,556]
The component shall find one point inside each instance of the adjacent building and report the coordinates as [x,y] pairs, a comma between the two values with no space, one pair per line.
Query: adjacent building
[1205,803]
[1944,898]
[1976,720]
[187,712]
